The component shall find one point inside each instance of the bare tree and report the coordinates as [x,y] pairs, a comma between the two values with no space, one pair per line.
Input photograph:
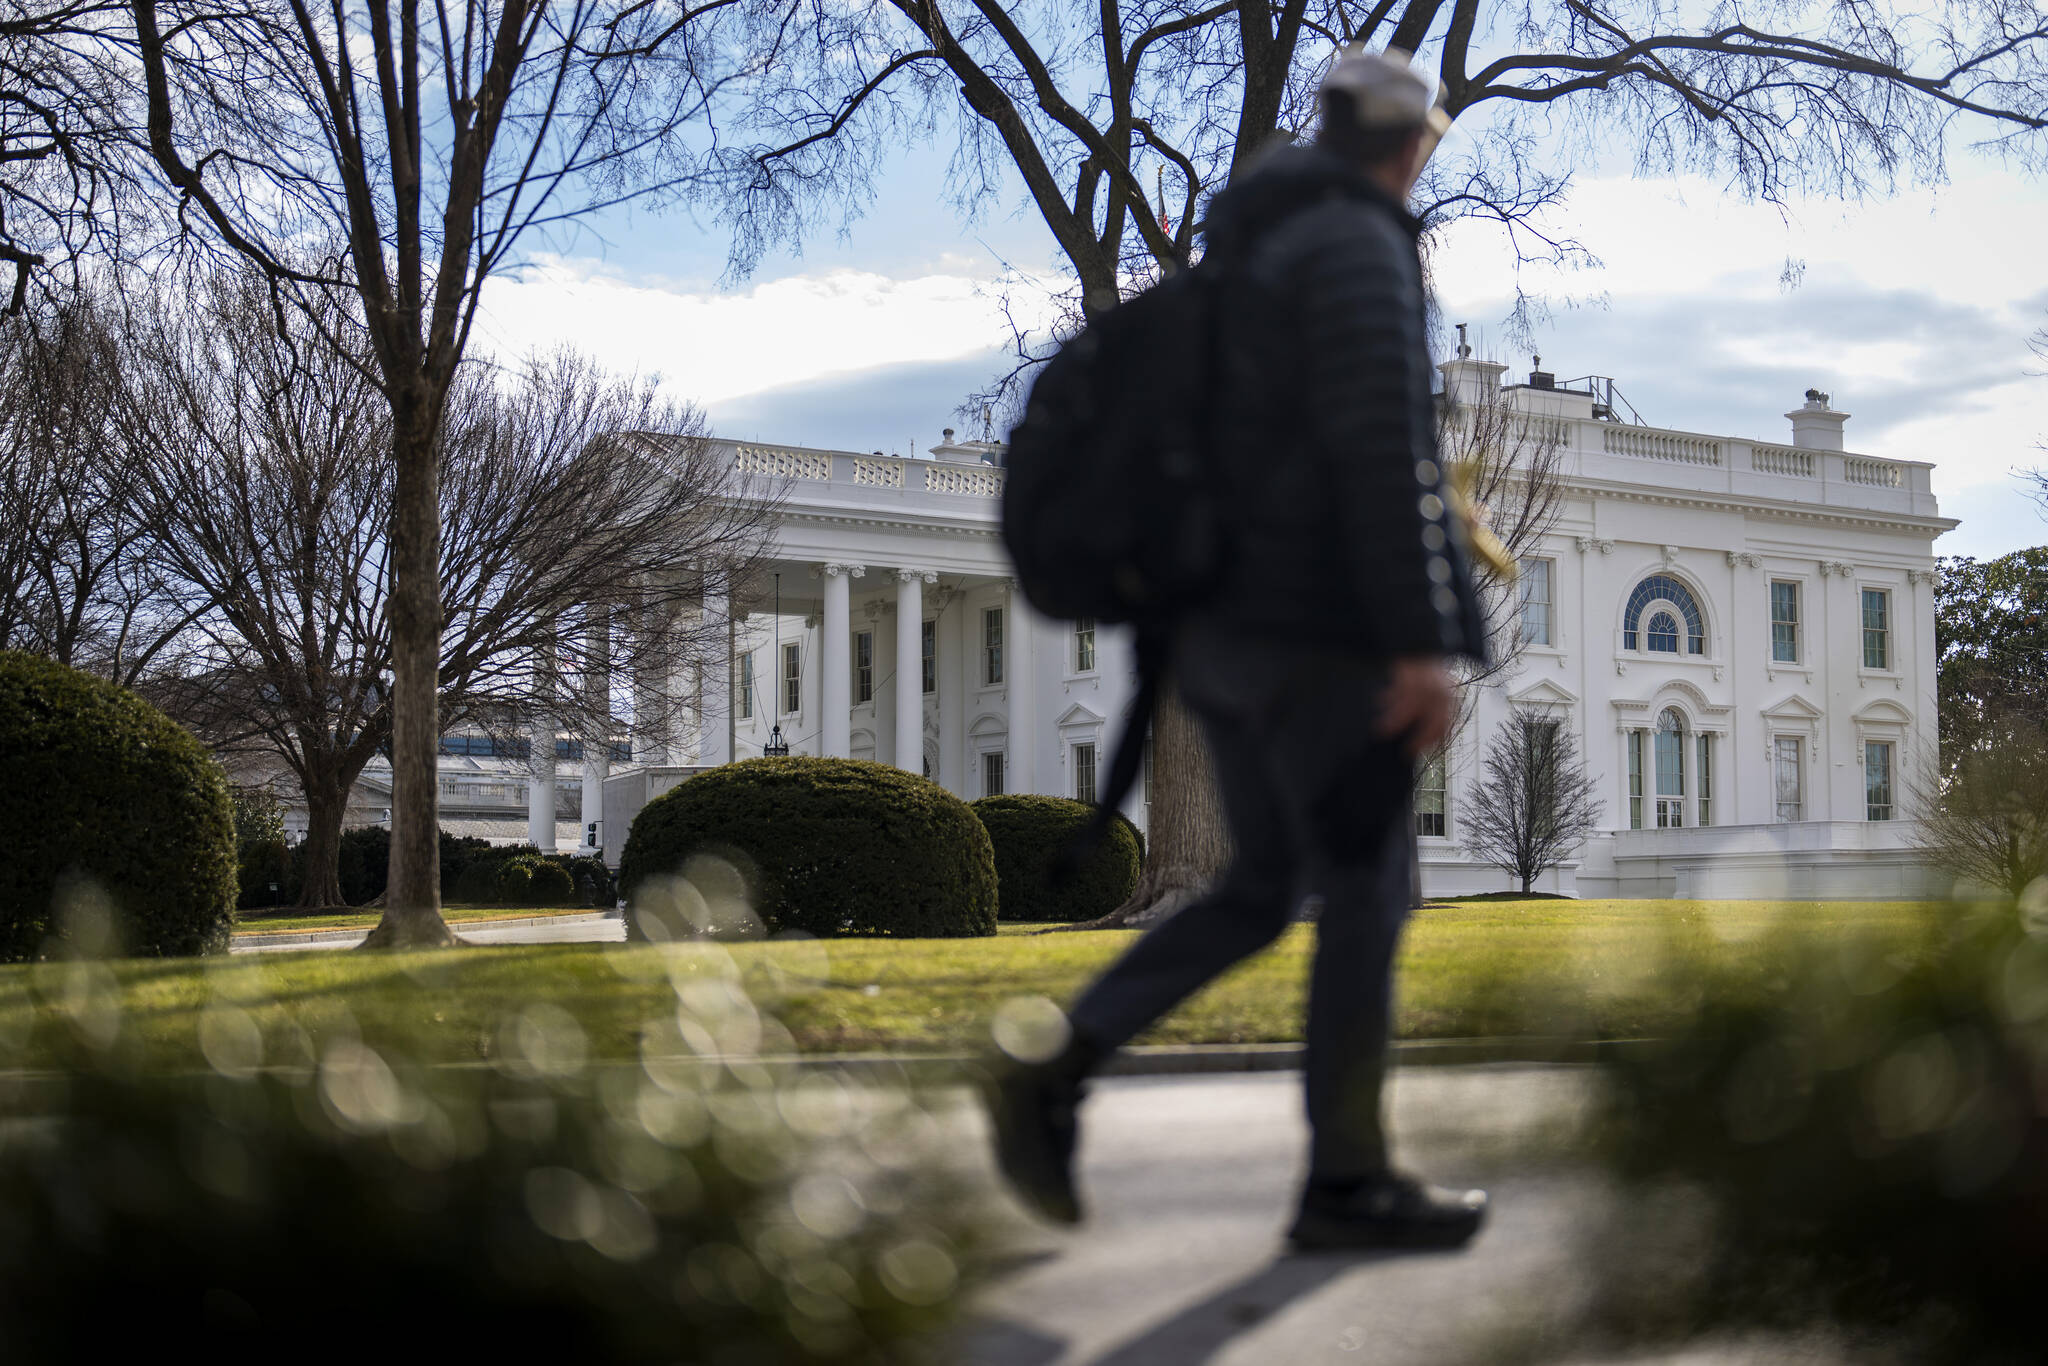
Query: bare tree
[1985,811]
[1510,467]
[1120,122]
[76,583]
[67,163]
[1534,806]
[566,496]
[432,142]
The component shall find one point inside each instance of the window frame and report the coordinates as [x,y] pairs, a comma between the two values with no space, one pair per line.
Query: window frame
[792,678]
[1440,816]
[863,669]
[745,710]
[928,656]
[1703,778]
[1884,633]
[1084,755]
[1086,658]
[1001,759]
[1798,769]
[1795,623]
[1890,805]
[1633,761]
[1524,600]
[992,674]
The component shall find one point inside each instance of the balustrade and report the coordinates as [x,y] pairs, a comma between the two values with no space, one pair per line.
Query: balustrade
[878,472]
[1786,460]
[963,479]
[1882,474]
[780,463]
[1653,445]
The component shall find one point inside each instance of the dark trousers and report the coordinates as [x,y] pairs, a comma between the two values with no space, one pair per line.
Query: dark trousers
[1315,804]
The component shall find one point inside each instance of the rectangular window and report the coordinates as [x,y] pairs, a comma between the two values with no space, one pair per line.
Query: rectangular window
[1430,813]
[992,774]
[1535,588]
[1877,629]
[1877,779]
[1635,780]
[1785,777]
[1084,646]
[928,648]
[864,666]
[1084,773]
[792,678]
[1784,622]
[1669,747]
[1706,779]
[746,699]
[991,646]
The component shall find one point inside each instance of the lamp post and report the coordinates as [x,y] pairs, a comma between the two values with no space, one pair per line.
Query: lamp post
[777,747]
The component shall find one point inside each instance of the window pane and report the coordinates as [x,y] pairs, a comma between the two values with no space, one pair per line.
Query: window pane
[992,775]
[1877,779]
[1876,629]
[992,646]
[1635,780]
[929,646]
[1705,779]
[792,680]
[1535,588]
[1429,799]
[1663,633]
[746,698]
[1785,623]
[1084,646]
[864,667]
[1786,777]
[1084,773]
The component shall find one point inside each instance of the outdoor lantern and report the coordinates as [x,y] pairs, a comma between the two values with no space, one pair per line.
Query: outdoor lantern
[777,747]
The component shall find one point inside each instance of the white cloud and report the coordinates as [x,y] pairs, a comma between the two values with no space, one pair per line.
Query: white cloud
[712,345]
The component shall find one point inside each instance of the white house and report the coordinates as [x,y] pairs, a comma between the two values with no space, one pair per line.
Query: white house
[1740,633]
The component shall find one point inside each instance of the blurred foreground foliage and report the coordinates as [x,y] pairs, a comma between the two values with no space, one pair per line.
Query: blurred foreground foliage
[1858,1137]
[309,1193]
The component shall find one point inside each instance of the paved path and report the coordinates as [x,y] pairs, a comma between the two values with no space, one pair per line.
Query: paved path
[561,929]
[1190,1181]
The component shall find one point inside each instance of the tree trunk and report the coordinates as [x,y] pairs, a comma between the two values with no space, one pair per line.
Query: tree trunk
[321,877]
[412,907]
[1186,843]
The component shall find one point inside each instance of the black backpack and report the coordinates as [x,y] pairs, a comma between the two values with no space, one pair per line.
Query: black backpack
[1108,505]
[1110,509]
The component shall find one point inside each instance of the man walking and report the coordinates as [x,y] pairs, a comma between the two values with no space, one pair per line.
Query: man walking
[1319,670]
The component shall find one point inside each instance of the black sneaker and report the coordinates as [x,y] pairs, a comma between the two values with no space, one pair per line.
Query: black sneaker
[1032,1112]
[1391,1211]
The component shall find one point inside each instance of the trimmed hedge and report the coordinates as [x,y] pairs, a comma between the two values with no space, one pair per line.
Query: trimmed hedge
[521,875]
[103,791]
[825,846]
[1030,833]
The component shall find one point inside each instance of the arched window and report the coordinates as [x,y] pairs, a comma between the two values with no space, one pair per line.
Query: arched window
[1670,753]
[1663,588]
[1663,634]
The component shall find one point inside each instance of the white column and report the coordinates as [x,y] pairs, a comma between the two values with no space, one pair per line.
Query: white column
[835,659]
[540,788]
[1018,665]
[714,693]
[956,692]
[597,702]
[910,667]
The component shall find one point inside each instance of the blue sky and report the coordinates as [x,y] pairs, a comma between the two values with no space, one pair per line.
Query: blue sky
[1913,312]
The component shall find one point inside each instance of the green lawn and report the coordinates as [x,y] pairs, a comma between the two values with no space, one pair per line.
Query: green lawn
[1575,968]
[274,922]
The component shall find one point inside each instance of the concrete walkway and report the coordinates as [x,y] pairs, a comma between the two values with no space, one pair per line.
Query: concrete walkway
[1190,1182]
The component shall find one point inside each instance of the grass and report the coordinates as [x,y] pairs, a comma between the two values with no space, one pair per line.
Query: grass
[1578,968]
[274,922]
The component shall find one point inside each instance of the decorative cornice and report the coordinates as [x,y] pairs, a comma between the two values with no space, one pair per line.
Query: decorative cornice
[917,575]
[1746,559]
[1588,544]
[1840,567]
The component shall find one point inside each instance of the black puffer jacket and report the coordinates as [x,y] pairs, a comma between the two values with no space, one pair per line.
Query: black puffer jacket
[1324,422]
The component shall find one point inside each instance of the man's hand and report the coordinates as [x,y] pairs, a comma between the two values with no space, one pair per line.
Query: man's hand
[1417,703]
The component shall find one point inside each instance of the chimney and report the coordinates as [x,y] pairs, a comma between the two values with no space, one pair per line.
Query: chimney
[1469,382]
[1816,426]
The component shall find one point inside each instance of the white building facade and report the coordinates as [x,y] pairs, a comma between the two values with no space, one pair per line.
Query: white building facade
[1739,633]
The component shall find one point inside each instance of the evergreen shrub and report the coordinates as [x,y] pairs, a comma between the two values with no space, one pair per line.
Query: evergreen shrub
[1030,833]
[110,803]
[825,846]
[265,870]
[529,1211]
